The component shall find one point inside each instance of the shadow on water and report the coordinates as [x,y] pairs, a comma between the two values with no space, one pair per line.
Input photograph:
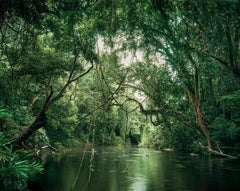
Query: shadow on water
[137,169]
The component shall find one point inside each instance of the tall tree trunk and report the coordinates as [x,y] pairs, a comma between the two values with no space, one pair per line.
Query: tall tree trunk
[196,106]
[41,119]
[38,123]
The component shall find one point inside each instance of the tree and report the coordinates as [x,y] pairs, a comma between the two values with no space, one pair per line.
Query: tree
[46,56]
[189,43]
[177,56]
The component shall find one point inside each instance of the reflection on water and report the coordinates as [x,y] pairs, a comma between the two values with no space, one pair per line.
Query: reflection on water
[139,182]
[137,169]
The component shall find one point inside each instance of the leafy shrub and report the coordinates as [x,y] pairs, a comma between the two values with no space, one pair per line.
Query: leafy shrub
[14,169]
[225,131]
[4,114]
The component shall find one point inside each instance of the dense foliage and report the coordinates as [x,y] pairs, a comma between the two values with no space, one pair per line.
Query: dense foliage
[153,73]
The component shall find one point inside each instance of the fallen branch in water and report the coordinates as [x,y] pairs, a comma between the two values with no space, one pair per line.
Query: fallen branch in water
[47,147]
[218,153]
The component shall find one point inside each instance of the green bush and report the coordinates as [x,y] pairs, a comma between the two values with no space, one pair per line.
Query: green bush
[15,169]
[225,131]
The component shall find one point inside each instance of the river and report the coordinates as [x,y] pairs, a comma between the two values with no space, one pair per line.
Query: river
[136,169]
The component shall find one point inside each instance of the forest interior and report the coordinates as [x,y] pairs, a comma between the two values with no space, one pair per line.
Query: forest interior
[152,73]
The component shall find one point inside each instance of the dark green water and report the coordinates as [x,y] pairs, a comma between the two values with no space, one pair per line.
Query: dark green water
[138,169]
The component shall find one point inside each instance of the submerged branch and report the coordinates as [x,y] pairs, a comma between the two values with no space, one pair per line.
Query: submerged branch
[215,152]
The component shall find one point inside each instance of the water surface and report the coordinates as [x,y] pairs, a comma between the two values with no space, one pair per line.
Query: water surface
[137,169]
